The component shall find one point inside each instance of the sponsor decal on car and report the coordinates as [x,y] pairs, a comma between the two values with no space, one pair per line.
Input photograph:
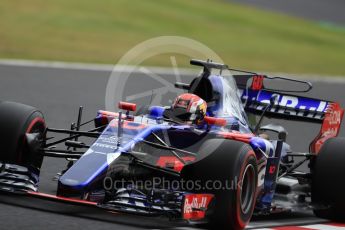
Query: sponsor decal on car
[111,140]
[285,104]
[195,206]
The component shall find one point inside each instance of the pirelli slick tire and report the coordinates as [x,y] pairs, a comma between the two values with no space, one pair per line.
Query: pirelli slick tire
[17,120]
[328,187]
[234,165]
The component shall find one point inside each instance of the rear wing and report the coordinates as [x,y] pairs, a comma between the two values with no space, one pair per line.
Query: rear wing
[255,98]
[287,106]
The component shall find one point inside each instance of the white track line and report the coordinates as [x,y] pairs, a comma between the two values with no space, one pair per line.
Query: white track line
[323,227]
[56,65]
[89,66]
[263,229]
[158,70]
[308,227]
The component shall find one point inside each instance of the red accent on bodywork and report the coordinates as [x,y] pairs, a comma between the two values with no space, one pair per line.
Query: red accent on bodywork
[195,206]
[330,127]
[133,126]
[258,82]
[173,162]
[243,137]
[272,169]
[129,125]
[60,198]
[215,121]
[108,116]
[127,106]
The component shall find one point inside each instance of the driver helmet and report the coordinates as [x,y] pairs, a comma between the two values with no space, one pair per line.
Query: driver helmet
[189,108]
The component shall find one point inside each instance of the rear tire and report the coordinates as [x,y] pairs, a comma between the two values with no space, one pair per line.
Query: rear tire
[17,120]
[233,162]
[328,187]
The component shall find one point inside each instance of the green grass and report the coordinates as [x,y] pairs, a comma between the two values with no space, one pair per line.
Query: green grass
[103,31]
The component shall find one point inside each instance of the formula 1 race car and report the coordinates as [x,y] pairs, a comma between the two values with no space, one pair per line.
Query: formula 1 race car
[200,160]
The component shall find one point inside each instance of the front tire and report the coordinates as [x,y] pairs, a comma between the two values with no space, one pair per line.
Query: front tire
[16,121]
[233,162]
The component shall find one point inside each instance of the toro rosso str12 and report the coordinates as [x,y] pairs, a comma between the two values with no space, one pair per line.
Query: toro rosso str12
[199,160]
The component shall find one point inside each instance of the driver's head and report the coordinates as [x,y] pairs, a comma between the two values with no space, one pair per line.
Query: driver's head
[189,108]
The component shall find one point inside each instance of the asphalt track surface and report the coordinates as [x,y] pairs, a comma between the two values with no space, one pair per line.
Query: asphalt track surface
[58,92]
[331,11]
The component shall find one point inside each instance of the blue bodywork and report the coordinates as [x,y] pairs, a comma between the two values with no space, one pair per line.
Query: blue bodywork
[105,149]
[86,174]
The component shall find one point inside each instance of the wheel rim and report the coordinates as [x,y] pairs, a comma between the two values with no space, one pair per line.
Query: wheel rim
[37,125]
[247,189]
